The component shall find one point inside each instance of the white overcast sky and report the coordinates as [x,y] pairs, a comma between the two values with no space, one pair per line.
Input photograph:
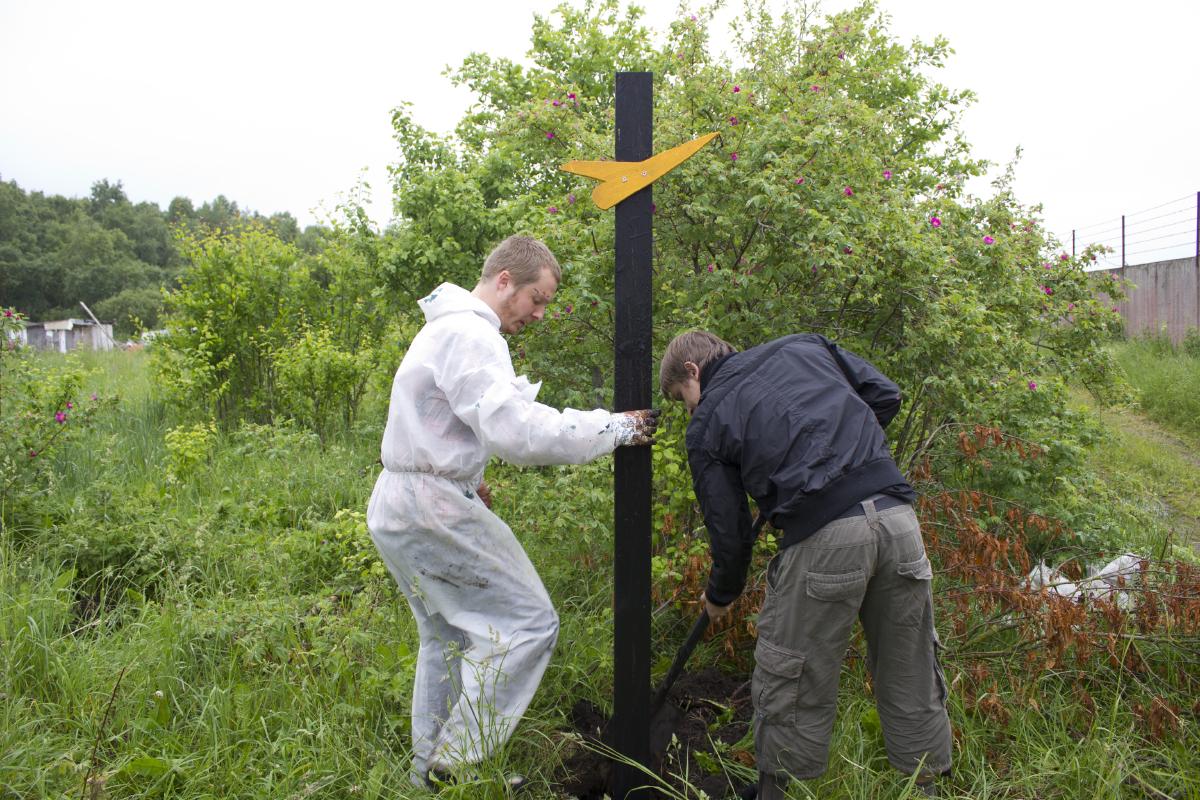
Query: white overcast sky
[284,106]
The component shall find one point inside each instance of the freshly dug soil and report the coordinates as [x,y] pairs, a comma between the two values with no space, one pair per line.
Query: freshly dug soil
[704,707]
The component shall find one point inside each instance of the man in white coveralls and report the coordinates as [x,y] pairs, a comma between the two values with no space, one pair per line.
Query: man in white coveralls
[486,624]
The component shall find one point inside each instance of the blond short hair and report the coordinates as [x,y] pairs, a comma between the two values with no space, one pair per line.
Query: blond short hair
[524,257]
[699,347]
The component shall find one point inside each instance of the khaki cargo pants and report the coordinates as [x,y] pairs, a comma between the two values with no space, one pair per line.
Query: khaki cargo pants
[872,567]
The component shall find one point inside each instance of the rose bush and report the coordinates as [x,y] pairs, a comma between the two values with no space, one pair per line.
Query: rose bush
[42,407]
[833,201]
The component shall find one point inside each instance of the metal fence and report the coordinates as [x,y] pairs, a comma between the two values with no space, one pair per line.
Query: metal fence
[1157,252]
[1164,232]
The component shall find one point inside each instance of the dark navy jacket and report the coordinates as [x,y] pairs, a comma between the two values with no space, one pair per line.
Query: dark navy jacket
[797,424]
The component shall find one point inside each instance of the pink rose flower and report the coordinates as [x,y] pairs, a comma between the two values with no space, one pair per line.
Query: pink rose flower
[733,156]
[887,174]
[1032,385]
[988,240]
[935,222]
[848,192]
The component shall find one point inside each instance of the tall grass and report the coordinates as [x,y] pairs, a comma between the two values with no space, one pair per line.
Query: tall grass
[1167,378]
[221,632]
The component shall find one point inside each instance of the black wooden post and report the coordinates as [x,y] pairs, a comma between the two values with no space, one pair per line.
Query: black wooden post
[631,563]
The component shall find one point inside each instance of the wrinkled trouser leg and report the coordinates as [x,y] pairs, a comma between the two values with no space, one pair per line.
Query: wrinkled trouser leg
[902,649]
[486,624]
[815,590]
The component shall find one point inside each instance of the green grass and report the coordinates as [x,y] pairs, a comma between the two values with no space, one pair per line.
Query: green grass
[1167,379]
[223,633]
[1160,471]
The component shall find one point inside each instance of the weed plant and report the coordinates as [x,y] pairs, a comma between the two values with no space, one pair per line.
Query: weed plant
[1167,377]
[221,628]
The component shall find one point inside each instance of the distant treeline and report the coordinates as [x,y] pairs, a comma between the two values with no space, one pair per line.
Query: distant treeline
[112,254]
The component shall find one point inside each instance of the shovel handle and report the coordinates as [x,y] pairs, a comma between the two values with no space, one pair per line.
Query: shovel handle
[694,636]
[681,658]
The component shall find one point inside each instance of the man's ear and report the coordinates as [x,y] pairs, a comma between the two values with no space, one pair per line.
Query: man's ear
[503,280]
[692,370]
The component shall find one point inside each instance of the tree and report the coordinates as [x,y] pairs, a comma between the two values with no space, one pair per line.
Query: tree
[833,202]
[180,210]
[132,310]
[220,214]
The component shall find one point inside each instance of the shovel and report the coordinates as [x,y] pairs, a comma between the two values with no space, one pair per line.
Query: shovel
[685,652]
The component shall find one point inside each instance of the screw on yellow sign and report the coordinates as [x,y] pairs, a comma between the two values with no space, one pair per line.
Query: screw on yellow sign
[623,178]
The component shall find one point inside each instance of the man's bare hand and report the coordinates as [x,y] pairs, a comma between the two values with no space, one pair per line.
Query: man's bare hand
[636,427]
[485,494]
[715,612]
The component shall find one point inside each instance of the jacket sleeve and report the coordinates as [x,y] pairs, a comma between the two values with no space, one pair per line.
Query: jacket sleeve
[870,384]
[727,517]
[500,407]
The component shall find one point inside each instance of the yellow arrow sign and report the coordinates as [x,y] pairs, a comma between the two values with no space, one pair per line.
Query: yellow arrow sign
[623,178]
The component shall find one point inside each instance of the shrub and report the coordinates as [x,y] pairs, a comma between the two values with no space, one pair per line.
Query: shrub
[259,331]
[41,408]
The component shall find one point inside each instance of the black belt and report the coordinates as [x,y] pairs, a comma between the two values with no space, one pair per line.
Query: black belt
[882,502]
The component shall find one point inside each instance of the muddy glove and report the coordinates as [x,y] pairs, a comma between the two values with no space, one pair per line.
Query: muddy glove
[636,427]
[485,494]
[715,612]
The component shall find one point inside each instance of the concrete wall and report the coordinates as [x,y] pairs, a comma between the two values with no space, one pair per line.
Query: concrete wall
[1165,295]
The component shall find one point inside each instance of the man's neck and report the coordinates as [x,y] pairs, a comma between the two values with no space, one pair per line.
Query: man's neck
[488,295]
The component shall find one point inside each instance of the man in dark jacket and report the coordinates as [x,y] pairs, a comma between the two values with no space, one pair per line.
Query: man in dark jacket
[797,424]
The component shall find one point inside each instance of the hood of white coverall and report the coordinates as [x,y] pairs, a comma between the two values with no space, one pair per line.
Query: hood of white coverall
[456,401]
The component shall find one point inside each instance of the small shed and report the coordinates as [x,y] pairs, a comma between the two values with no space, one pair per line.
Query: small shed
[65,335]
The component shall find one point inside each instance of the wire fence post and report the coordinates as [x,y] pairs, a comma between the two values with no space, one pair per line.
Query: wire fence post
[1196,261]
[1072,243]
[1123,240]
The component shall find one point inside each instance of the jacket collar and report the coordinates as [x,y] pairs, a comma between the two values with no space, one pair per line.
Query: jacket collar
[710,369]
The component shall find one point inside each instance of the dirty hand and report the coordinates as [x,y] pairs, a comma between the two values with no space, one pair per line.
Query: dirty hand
[715,612]
[636,427]
[485,494]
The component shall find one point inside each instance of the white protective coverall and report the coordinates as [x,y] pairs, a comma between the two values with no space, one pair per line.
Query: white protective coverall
[486,624]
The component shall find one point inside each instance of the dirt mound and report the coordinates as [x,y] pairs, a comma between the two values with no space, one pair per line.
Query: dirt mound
[707,712]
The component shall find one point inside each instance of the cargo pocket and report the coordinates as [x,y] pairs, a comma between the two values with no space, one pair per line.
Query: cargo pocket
[908,601]
[776,683]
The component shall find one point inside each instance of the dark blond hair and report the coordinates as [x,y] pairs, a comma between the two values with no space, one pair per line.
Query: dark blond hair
[524,257]
[699,347]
